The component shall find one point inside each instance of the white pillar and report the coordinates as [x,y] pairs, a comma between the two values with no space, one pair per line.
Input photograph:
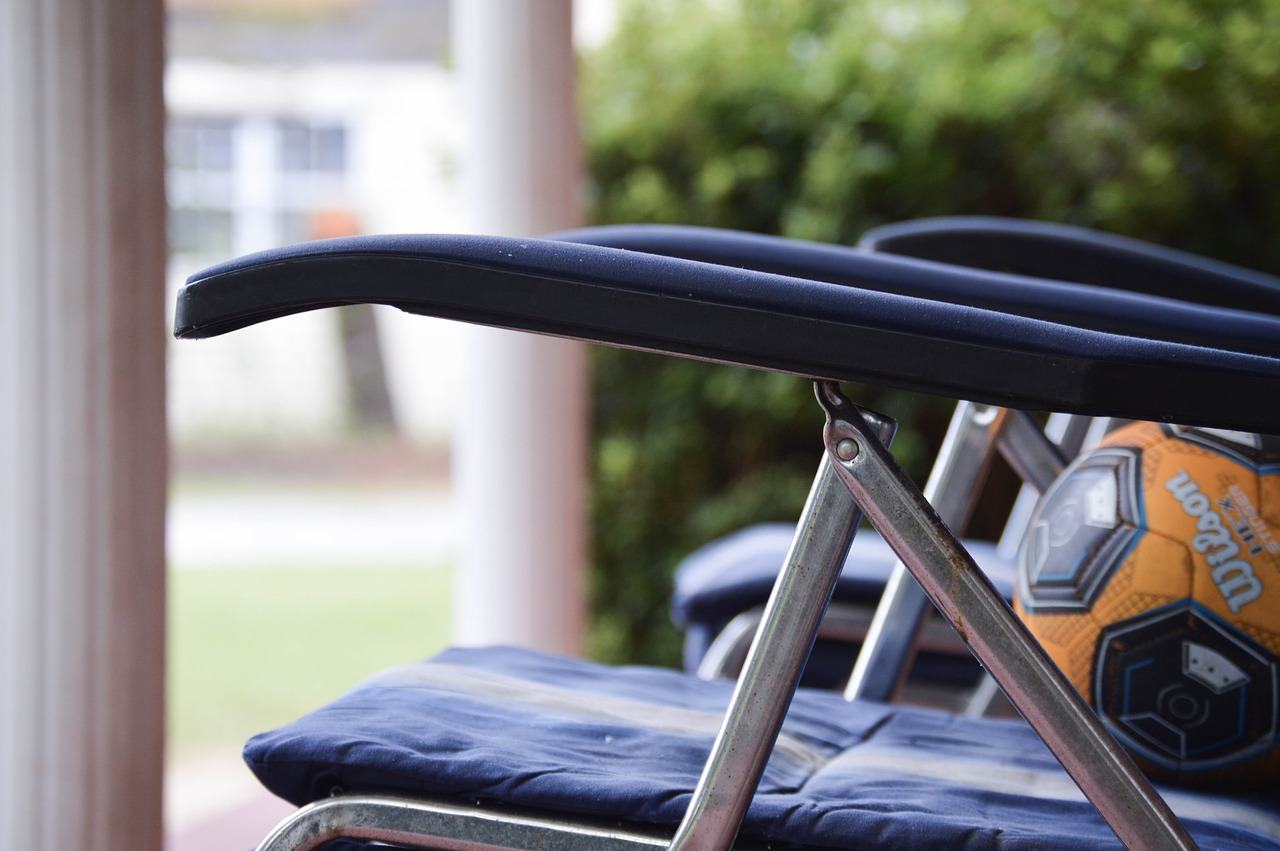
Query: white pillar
[521,441]
[82,440]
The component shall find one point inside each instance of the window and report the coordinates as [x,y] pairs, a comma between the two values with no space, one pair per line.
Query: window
[312,147]
[241,184]
[199,144]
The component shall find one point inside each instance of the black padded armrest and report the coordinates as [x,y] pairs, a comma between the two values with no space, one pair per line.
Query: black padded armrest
[1062,252]
[1062,274]
[889,320]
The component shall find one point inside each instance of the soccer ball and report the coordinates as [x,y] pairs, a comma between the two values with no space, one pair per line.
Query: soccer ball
[1151,574]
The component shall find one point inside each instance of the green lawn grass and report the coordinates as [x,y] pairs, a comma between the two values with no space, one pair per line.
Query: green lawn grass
[252,648]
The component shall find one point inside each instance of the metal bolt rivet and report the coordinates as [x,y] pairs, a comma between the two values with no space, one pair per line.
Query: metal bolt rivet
[847,449]
[985,415]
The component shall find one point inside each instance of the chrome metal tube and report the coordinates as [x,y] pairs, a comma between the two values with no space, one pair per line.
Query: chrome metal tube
[442,827]
[1069,433]
[963,462]
[1033,456]
[774,662]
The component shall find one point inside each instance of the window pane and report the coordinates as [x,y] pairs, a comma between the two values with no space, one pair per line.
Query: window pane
[215,145]
[306,147]
[295,146]
[331,149]
[199,144]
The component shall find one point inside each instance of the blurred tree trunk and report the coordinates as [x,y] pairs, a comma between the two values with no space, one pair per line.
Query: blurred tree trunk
[369,398]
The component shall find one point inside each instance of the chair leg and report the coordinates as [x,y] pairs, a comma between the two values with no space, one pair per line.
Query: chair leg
[774,662]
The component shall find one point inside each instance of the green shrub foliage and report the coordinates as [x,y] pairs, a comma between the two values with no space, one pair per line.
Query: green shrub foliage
[819,120]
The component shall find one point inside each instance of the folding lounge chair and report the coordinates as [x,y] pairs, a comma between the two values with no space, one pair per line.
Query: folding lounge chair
[502,748]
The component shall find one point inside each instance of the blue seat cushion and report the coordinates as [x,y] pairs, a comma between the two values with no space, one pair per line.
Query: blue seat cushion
[735,573]
[577,738]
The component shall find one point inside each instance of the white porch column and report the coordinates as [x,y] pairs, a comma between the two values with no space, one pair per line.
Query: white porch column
[82,439]
[521,442]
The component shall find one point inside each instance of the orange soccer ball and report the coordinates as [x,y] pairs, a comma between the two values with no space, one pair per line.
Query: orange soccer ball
[1151,575]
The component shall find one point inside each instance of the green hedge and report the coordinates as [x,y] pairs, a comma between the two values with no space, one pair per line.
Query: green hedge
[819,120]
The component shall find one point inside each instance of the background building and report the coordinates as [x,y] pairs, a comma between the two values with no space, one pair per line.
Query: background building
[292,121]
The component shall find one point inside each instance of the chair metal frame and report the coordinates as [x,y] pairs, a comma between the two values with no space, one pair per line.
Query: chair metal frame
[856,474]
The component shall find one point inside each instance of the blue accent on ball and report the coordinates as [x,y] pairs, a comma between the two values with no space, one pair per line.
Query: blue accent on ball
[1127,671]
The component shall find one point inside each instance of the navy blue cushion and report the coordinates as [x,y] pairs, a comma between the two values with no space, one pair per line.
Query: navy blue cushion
[735,574]
[573,737]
